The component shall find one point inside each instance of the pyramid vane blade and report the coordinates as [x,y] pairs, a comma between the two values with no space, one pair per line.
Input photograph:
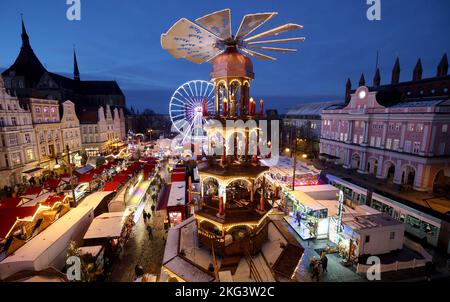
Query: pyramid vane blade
[279,49]
[275,31]
[187,40]
[297,39]
[258,55]
[219,23]
[251,22]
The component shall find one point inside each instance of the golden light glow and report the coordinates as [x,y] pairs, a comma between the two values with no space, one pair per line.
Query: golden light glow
[287,150]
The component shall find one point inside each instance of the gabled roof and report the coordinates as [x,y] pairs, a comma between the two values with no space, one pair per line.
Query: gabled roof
[8,217]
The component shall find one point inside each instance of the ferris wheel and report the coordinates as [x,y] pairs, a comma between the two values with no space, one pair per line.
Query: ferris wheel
[187,105]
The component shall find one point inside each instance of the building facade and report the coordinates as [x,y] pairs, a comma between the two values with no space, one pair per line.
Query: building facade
[28,76]
[47,125]
[398,135]
[100,129]
[17,139]
[70,130]
[306,118]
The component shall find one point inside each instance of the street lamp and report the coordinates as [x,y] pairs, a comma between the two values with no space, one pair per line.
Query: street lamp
[71,174]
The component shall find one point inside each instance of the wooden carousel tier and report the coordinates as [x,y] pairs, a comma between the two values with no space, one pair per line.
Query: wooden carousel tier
[242,213]
[230,171]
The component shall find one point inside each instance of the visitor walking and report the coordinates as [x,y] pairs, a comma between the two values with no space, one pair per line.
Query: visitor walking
[145,215]
[324,262]
[316,271]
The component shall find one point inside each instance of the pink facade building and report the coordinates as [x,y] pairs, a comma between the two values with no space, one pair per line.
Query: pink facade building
[402,135]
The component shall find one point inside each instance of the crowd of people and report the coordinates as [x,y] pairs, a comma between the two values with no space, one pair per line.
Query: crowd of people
[318,266]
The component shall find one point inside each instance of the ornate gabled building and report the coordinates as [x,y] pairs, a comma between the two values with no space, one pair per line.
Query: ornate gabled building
[101,128]
[397,131]
[27,75]
[17,139]
[70,129]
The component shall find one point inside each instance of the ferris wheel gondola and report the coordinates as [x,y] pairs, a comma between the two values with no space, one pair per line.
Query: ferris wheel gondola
[187,107]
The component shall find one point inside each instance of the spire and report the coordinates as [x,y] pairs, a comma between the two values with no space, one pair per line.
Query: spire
[442,69]
[362,80]
[396,72]
[348,88]
[25,38]
[417,73]
[76,72]
[377,78]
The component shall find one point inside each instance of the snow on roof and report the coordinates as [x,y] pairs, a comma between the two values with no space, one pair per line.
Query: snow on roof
[107,225]
[177,194]
[311,108]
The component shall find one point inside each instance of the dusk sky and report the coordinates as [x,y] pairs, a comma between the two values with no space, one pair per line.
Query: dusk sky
[121,40]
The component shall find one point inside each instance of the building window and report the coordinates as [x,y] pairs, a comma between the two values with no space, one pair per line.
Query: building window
[2,122]
[27,138]
[37,109]
[391,126]
[442,149]
[389,143]
[410,127]
[357,124]
[29,154]
[378,143]
[367,240]
[372,141]
[361,139]
[416,147]
[397,127]
[15,159]
[444,128]
[13,139]
[14,121]
[45,109]
[395,144]
[407,147]
[43,150]
[419,127]
[392,236]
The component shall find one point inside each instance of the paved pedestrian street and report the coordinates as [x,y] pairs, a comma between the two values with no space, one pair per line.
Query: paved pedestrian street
[140,250]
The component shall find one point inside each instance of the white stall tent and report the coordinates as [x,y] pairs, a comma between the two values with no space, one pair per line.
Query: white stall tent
[107,225]
[50,246]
